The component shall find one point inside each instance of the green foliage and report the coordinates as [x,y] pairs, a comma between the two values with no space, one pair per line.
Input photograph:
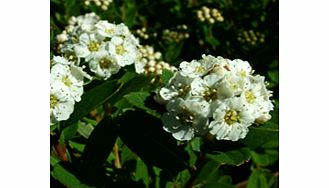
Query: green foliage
[146,155]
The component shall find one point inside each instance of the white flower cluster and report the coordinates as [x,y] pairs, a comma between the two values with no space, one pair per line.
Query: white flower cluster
[150,62]
[103,46]
[100,3]
[251,37]
[209,15]
[87,42]
[66,88]
[217,96]
[176,35]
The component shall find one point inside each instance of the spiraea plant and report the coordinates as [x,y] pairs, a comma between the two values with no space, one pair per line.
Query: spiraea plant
[164,94]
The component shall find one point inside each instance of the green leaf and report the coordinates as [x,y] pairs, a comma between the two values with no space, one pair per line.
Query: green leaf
[79,147]
[138,99]
[209,171]
[173,51]
[122,106]
[195,143]
[259,136]
[144,135]
[68,133]
[232,157]
[127,76]
[126,155]
[66,178]
[257,180]
[141,172]
[139,83]
[85,129]
[130,12]
[54,160]
[98,147]
[91,99]
[266,158]
[207,31]
[166,75]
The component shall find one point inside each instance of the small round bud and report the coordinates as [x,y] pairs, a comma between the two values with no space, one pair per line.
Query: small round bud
[151,63]
[151,69]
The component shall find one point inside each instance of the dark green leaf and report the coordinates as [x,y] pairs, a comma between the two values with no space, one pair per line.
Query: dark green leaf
[232,157]
[262,134]
[98,148]
[127,76]
[130,13]
[138,100]
[79,147]
[139,83]
[208,172]
[91,99]
[144,135]
[266,158]
[165,76]
[173,51]
[257,180]
[68,133]
[66,178]
[141,172]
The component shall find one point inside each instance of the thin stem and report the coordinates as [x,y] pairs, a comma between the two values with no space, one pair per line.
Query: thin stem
[117,163]
[195,171]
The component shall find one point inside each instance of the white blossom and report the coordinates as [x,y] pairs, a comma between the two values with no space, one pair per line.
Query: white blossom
[123,50]
[103,65]
[186,118]
[234,99]
[231,120]
[61,103]
[63,77]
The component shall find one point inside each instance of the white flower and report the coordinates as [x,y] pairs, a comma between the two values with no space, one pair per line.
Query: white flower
[192,69]
[179,86]
[258,98]
[89,45]
[186,118]
[232,85]
[206,87]
[231,120]
[106,29]
[123,50]
[87,22]
[242,68]
[61,60]
[62,76]
[104,65]
[61,103]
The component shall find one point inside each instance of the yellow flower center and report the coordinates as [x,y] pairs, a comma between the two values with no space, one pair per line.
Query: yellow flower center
[200,69]
[210,94]
[243,73]
[53,101]
[231,117]
[105,63]
[186,117]
[109,31]
[93,46]
[66,80]
[119,49]
[183,90]
[250,97]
